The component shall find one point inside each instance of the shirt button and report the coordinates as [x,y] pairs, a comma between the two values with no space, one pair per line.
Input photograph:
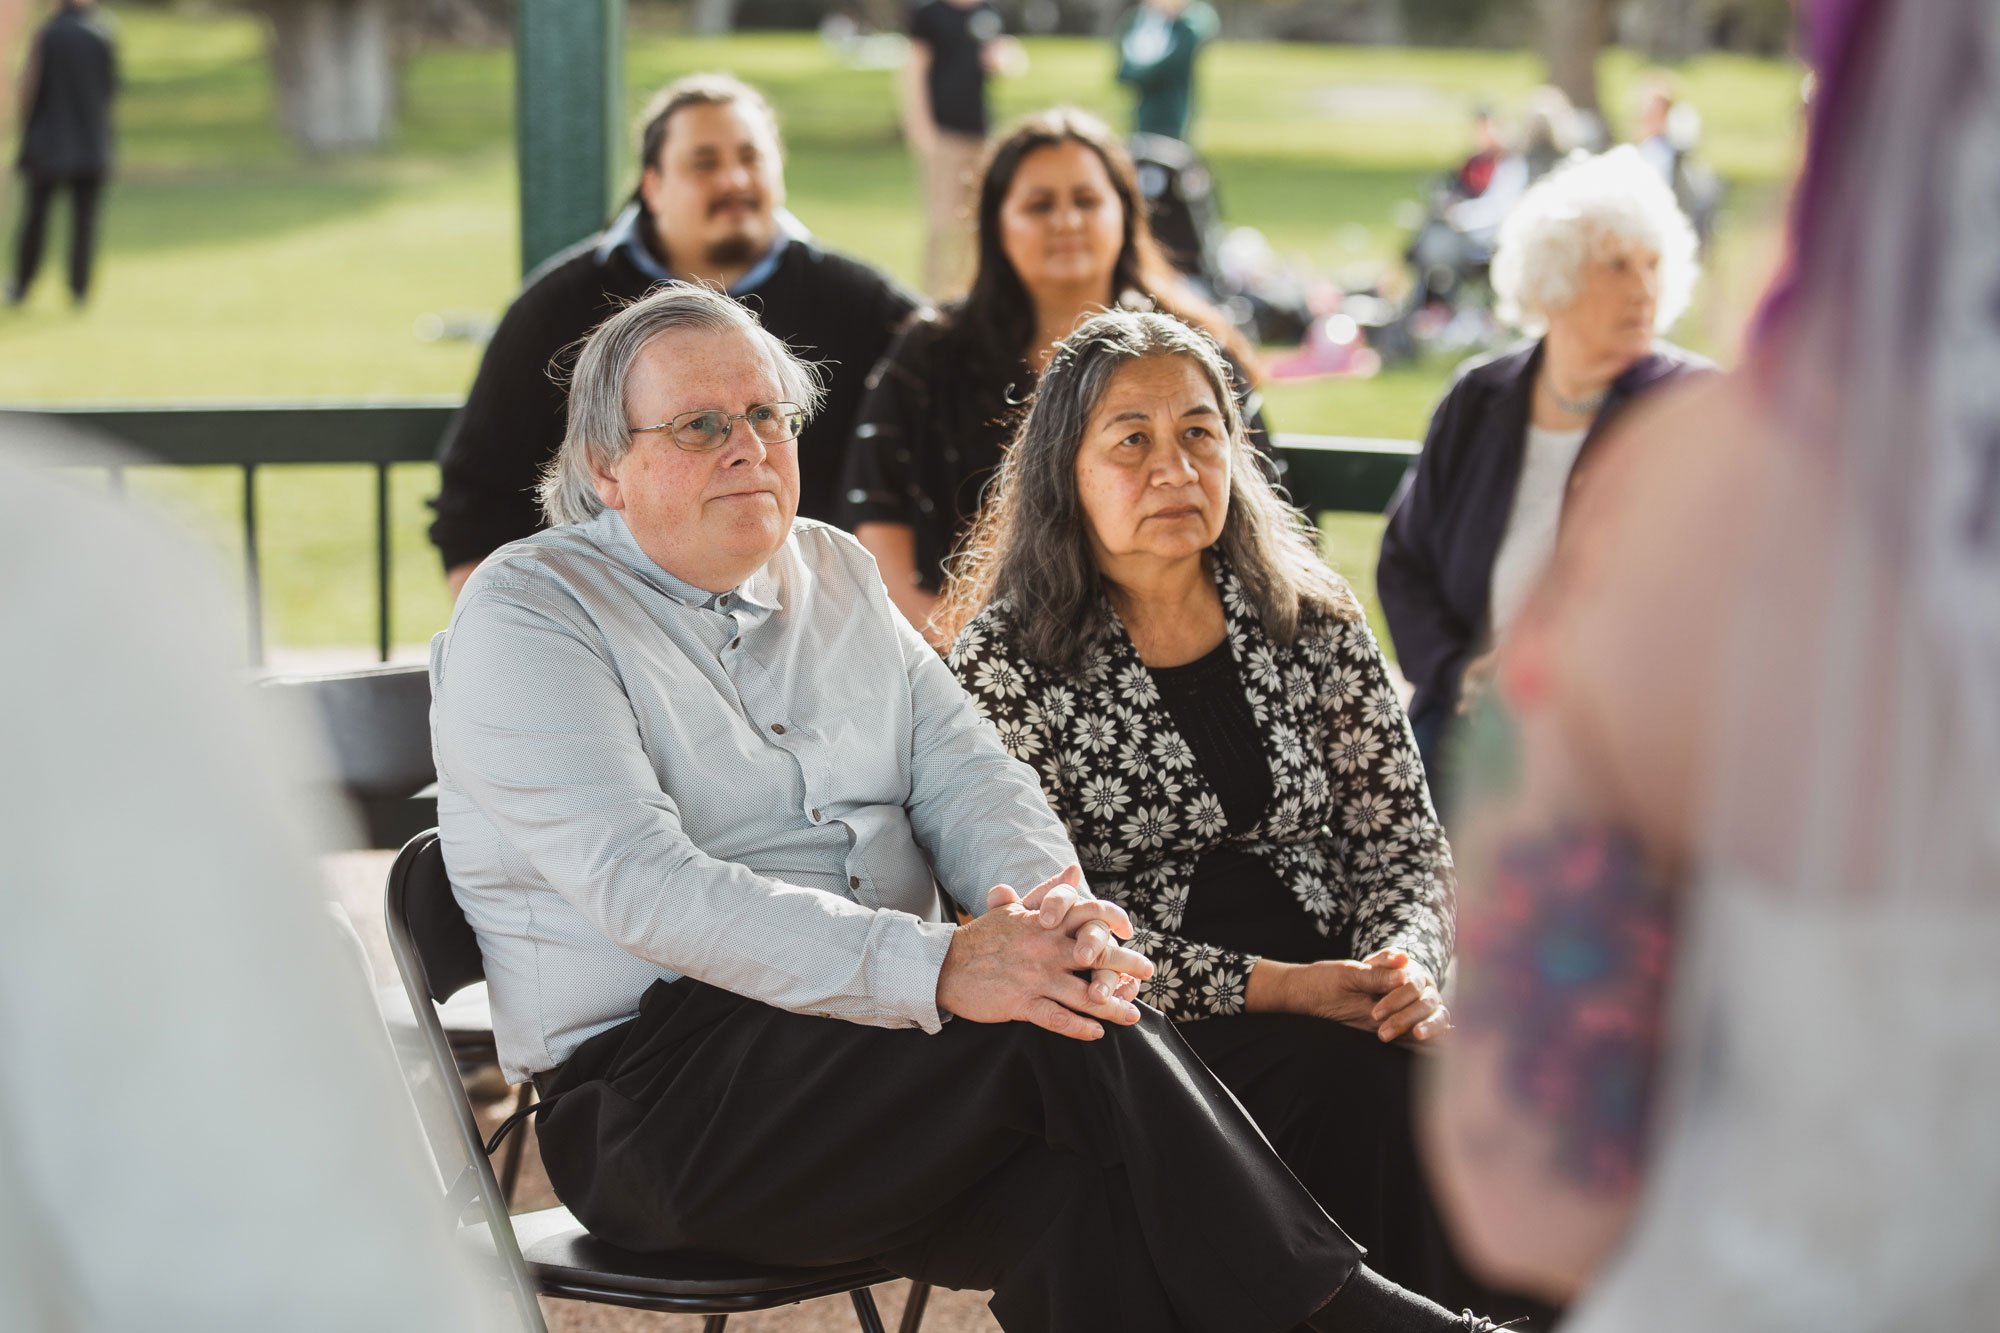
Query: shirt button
[736,642]
[854,881]
[815,815]
[778,727]
[724,601]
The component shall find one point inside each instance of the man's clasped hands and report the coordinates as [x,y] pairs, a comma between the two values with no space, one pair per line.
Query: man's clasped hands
[1053,958]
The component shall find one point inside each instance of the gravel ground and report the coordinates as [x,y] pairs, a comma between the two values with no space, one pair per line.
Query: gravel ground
[355,880]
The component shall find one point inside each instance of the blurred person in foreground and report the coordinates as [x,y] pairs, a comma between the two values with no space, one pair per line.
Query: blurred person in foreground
[1595,262]
[66,92]
[1062,235]
[1148,625]
[1157,45]
[954,46]
[699,782]
[202,1126]
[709,208]
[1749,772]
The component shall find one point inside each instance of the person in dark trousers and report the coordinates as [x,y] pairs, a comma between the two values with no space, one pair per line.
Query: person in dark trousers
[708,209]
[66,92]
[699,785]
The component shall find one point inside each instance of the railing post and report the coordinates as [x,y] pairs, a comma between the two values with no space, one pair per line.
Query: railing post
[382,559]
[251,573]
[569,117]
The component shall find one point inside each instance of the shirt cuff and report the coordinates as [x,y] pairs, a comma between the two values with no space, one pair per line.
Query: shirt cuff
[904,969]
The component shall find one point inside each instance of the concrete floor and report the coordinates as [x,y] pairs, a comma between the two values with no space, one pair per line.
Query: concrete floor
[356,880]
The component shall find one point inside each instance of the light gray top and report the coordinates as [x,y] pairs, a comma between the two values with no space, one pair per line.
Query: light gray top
[640,780]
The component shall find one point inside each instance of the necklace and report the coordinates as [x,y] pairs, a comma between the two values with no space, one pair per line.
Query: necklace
[1576,407]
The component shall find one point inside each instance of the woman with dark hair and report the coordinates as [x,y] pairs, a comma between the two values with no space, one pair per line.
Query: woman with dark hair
[1149,626]
[1062,234]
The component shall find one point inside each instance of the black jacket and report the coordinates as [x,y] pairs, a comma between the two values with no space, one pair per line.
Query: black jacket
[1447,520]
[68,132]
[829,308]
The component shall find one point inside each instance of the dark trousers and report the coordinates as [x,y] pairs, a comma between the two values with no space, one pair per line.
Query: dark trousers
[1108,1185]
[1337,1104]
[84,192]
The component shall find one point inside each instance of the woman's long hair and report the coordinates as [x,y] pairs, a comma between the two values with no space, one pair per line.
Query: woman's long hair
[995,323]
[1030,547]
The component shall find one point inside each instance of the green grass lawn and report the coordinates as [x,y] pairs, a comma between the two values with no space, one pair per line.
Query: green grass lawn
[234,268]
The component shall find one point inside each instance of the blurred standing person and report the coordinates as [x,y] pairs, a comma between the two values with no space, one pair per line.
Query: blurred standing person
[1596,262]
[66,93]
[1157,44]
[954,45]
[709,208]
[1062,236]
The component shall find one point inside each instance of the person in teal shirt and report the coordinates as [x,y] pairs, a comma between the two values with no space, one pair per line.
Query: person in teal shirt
[1157,43]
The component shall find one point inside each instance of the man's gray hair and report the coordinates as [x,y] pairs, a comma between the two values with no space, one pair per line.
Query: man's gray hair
[599,434]
[1553,233]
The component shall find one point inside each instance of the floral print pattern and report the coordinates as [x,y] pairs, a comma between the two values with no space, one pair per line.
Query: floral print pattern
[1349,829]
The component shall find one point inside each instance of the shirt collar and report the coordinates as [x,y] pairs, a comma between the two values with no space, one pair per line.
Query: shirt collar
[758,592]
[625,235]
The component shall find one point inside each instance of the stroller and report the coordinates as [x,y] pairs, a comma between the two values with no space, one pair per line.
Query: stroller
[1186,218]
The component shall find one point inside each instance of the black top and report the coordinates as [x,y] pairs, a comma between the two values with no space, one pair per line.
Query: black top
[68,132]
[1235,899]
[957,76]
[932,428]
[1446,522]
[828,307]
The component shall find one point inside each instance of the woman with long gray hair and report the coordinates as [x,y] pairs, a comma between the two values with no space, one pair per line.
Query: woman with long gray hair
[1150,627]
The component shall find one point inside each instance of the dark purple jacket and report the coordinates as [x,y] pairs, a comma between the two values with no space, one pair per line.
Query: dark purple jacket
[1447,519]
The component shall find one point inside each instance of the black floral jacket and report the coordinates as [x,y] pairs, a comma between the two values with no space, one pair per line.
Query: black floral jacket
[1350,827]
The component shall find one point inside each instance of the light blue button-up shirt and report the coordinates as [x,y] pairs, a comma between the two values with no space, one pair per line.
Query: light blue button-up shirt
[640,780]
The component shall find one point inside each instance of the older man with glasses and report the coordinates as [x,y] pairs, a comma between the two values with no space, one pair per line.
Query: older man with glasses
[699,783]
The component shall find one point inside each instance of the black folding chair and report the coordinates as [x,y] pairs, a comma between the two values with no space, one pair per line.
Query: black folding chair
[438,955]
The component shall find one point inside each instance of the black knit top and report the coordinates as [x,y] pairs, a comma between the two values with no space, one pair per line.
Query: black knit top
[1235,898]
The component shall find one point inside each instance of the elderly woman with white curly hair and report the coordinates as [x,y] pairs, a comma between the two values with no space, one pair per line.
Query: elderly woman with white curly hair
[1594,263]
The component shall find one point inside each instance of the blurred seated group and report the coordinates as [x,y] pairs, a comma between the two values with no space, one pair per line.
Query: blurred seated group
[751,864]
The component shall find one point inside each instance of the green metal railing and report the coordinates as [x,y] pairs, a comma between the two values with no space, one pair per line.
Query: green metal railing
[1325,473]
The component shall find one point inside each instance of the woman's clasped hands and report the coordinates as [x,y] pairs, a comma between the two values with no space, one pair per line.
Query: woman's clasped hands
[1388,993]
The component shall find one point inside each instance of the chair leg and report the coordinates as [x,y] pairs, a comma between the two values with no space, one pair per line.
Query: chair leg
[913,1308]
[714,1323]
[865,1311]
[510,1165]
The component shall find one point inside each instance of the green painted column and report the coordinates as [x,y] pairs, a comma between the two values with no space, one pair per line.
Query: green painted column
[569,119]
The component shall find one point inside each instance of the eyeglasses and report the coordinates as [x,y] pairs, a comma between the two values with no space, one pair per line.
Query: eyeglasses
[707,429]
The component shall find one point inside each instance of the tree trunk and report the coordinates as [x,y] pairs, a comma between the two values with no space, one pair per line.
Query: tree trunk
[1668,31]
[713,18]
[1573,32]
[335,62]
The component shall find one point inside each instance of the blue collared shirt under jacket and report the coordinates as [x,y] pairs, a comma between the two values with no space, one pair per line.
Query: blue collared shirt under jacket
[641,780]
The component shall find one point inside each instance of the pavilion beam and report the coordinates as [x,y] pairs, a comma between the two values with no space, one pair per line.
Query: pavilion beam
[569,119]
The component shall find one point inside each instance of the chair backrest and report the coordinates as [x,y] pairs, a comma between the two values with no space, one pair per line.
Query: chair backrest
[442,941]
[437,955]
[377,723]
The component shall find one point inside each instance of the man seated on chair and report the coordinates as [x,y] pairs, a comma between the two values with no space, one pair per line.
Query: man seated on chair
[698,780]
